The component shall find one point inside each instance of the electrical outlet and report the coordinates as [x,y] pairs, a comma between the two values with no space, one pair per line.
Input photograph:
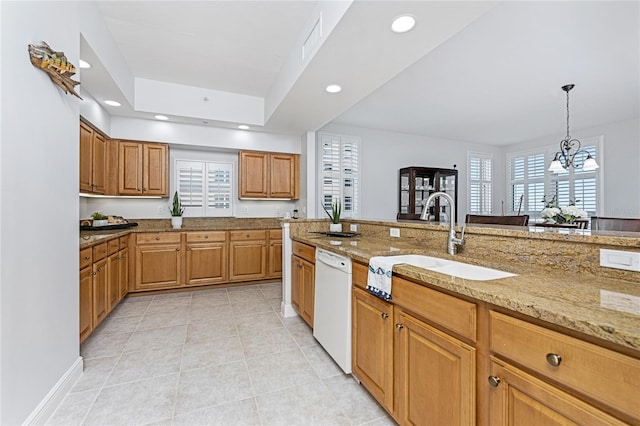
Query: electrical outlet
[245,210]
[619,259]
[278,211]
[160,209]
[353,227]
[394,232]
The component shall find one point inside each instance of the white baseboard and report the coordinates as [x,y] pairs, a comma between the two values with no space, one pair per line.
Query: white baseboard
[287,310]
[52,400]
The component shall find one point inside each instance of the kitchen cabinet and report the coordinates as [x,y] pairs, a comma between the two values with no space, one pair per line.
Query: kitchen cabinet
[303,280]
[247,255]
[275,254]
[158,261]
[100,291]
[206,257]
[372,344]
[562,364]
[86,294]
[123,282]
[417,183]
[143,168]
[269,175]
[92,160]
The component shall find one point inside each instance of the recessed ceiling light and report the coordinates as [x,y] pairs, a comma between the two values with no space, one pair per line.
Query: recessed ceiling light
[161,117]
[113,103]
[333,88]
[403,23]
[243,127]
[84,64]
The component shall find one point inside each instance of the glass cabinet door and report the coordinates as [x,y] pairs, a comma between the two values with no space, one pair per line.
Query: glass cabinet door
[404,192]
[417,183]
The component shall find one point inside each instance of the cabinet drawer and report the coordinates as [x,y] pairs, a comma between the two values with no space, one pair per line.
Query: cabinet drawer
[100,251]
[304,251]
[447,311]
[602,374]
[124,242]
[359,275]
[248,235]
[206,237]
[114,246]
[158,238]
[86,257]
[275,234]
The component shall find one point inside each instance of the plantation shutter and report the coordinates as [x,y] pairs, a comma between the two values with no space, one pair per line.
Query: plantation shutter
[480,185]
[205,188]
[219,189]
[340,173]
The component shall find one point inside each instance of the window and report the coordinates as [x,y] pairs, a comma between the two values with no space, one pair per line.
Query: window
[205,188]
[340,173]
[480,187]
[529,181]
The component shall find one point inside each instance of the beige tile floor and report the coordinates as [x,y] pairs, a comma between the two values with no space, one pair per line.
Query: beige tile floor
[211,357]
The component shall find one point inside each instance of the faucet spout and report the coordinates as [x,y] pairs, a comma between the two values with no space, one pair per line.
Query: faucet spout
[452,240]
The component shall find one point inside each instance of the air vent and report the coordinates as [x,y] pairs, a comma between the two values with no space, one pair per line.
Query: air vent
[313,39]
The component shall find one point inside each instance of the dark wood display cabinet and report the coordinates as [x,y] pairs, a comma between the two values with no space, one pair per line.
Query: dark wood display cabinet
[415,185]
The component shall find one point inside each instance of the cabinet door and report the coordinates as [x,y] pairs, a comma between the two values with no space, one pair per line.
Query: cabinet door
[129,168]
[155,170]
[521,399]
[296,284]
[98,163]
[206,263]
[248,260]
[308,291]
[123,282]
[157,266]
[254,174]
[435,375]
[100,292]
[86,303]
[86,143]
[113,280]
[372,345]
[275,259]
[283,175]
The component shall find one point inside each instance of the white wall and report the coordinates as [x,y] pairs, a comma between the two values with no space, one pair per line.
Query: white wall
[39,210]
[619,162]
[384,153]
[93,112]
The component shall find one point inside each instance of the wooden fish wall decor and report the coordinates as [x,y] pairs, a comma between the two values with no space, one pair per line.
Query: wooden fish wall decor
[55,65]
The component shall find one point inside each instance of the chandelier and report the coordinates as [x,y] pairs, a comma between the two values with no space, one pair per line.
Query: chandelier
[570,148]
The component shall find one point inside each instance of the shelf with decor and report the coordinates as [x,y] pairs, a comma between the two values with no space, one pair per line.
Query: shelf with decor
[417,183]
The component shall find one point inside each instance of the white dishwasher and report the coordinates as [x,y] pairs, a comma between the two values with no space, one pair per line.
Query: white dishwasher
[332,306]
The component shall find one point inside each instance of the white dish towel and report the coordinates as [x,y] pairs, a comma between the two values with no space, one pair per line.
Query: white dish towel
[379,276]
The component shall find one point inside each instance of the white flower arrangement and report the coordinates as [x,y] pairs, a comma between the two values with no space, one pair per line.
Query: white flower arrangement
[565,214]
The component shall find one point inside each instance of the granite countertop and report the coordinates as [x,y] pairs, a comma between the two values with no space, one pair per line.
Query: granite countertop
[91,238]
[567,300]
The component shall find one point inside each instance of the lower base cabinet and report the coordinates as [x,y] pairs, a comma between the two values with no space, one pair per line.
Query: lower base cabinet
[303,272]
[100,292]
[86,302]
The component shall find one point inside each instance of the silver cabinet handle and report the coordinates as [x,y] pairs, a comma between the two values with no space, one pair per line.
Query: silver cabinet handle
[494,381]
[399,326]
[384,315]
[554,360]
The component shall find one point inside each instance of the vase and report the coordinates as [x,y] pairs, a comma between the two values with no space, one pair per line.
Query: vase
[335,227]
[176,222]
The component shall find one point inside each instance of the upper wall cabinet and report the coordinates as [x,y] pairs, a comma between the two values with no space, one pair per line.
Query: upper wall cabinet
[142,168]
[92,160]
[269,175]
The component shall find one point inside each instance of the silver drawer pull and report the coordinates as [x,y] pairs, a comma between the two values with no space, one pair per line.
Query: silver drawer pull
[494,381]
[384,315]
[399,326]
[554,360]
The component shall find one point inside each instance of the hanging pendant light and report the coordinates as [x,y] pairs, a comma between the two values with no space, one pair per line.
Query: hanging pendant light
[569,148]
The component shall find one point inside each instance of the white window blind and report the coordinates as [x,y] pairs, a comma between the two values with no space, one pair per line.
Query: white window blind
[480,185]
[529,178]
[205,188]
[340,173]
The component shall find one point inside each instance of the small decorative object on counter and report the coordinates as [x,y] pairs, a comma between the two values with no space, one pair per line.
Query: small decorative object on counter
[334,216]
[567,214]
[176,210]
[99,219]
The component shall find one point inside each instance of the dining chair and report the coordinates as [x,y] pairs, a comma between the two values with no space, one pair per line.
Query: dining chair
[599,223]
[520,220]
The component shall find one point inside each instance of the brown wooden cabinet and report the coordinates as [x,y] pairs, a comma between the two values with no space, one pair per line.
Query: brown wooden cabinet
[206,258]
[303,280]
[247,255]
[143,168]
[372,345]
[100,291]
[86,293]
[275,254]
[92,177]
[158,261]
[269,175]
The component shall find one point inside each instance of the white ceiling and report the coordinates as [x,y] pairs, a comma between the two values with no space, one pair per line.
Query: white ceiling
[495,79]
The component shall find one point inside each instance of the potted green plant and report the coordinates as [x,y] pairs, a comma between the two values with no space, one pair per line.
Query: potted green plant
[176,210]
[334,216]
[99,219]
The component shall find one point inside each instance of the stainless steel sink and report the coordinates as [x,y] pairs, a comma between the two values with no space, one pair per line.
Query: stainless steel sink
[451,267]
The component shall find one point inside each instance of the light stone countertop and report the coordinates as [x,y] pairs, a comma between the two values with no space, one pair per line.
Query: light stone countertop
[567,300]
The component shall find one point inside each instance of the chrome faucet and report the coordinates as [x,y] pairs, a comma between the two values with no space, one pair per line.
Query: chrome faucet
[452,241]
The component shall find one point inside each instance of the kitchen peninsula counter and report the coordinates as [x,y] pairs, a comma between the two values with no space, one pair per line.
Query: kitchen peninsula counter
[570,297]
